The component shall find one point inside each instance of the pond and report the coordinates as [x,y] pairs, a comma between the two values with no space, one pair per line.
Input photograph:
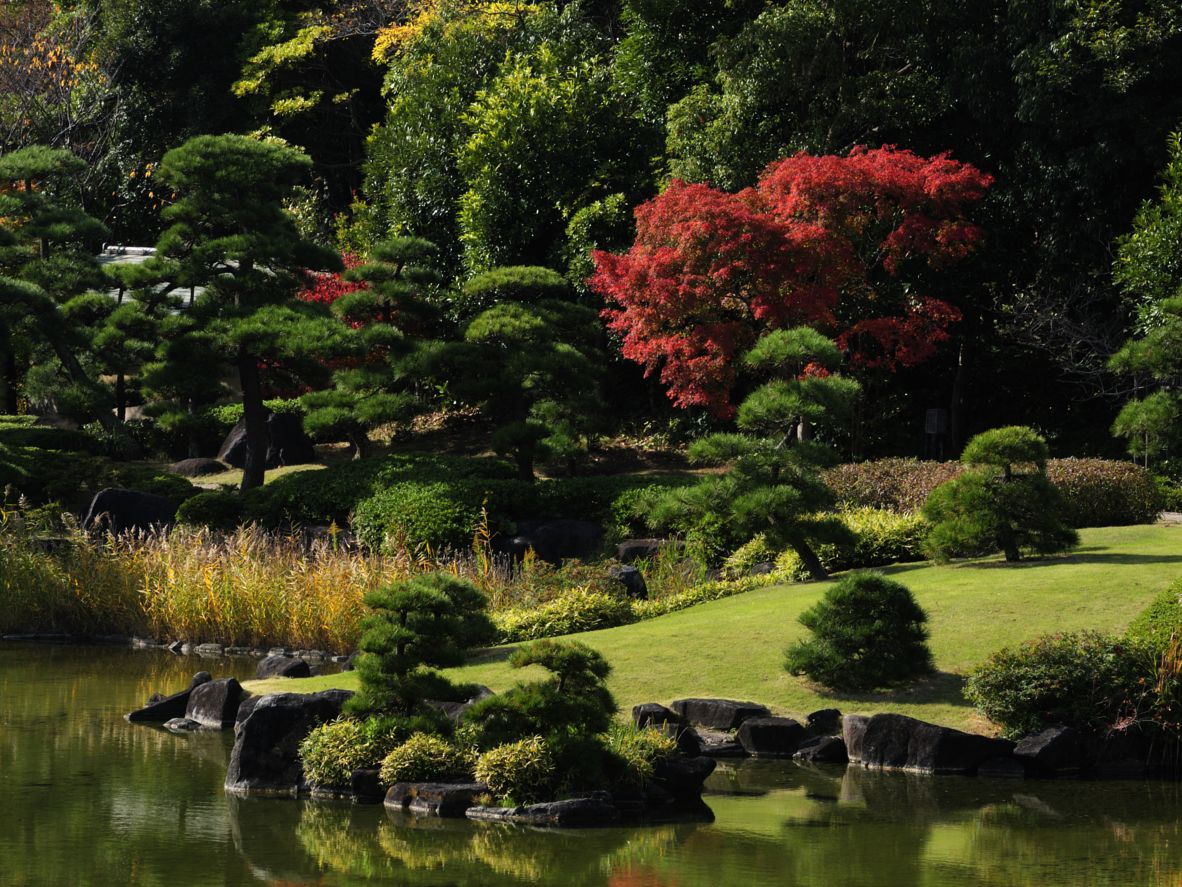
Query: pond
[90,799]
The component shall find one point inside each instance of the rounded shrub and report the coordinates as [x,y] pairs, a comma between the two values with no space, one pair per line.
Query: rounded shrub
[1105,493]
[867,632]
[639,750]
[332,751]
[521,772]
[1160,622]
[427,758]
[1075,679]
[217,510]
[877,537]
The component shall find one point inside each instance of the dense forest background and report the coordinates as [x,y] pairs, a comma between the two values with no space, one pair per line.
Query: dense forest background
[508,134]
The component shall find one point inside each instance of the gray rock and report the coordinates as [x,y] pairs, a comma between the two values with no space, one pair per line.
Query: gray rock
[632,550]
[1054,750]
[366,786]
[198,467]
[683,778]
[287,443]
[1002,768]
[202,677]
[214,704]
[824,722]
[176,647]
[265,759]
[593,811]
[166,709]
[653,714]
[117,511]
[822,750]
[455,710]
[771,737]
[210,650]
[718,714]
[434,798]
[181,725]
[632,581]
[275,666]
[897,742]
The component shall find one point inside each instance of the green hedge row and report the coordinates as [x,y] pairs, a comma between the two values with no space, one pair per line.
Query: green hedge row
[1098,492]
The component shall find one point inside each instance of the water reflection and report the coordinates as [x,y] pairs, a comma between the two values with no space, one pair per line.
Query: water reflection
[93,800]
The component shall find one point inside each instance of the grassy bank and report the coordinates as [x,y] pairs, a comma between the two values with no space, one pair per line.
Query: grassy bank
[733,647]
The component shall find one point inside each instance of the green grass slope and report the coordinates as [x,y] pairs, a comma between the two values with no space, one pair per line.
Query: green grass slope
[734,647]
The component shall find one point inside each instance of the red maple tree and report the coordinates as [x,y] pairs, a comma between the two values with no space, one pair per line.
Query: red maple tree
[843,244]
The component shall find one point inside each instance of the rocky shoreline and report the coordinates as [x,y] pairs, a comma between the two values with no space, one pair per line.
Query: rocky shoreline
[268,730]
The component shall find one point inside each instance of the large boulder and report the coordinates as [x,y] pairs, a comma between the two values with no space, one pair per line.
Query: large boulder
[434,798]
[116,510]
[653,714]
[595,810]
[554,540]
[198,467]
[683,778]
[718,714]
[456,710]
[631,550]
[282,667]
[214,704]
[771,737]
[287,444]
[631,580]
[265,759]
[1054,750]
[897,742]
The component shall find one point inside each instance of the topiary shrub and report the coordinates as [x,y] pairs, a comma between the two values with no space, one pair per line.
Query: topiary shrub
[1160,622]
[520,772]
[1078,679]
[429,621]
[217,510]
[995,506]
[427,758]
[332,751]
[574,611]
[867,632]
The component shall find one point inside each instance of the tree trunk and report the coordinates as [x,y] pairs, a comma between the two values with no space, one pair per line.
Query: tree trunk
[74,369]
[11,384]
[254,415]
[956,404]
[360,442]
[121,398]
[809,558]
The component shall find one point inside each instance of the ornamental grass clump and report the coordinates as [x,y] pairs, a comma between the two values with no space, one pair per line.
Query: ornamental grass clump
[867,632]
[425,757]
[1005,502]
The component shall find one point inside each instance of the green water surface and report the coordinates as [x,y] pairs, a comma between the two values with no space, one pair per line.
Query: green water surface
[86,798]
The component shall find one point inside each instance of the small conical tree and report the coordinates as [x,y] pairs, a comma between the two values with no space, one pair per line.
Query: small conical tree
[391,312]
[1003,503]
[773,484]
[867,632]
[424,623]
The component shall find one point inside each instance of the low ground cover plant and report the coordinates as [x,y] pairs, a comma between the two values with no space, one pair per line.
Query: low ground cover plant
[867,632]
[1160,622]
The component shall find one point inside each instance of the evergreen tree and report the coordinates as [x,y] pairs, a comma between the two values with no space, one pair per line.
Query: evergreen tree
[230,235]
[996,505]
[391,313]
[773,485]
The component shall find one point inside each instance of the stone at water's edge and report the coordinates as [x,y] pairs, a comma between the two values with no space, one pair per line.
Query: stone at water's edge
[824,722]
[181,725]
[897,742]
[771,737]
[434,798]
[1054,750]
[595,810]
[718,714]
[166,709]
[683,778]
[265,759]
[214,704]
[653,714]
[282,667]
[822,750]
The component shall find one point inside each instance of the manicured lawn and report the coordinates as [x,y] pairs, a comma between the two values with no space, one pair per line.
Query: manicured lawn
[233,477]
[733,647]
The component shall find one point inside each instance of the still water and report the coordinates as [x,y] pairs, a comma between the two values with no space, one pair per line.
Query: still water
[86,798]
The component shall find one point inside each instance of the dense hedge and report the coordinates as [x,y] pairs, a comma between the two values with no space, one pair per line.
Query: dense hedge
[1097,492]
[1161,621]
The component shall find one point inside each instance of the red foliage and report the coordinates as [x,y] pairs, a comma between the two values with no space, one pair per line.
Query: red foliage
[324,289]
[824,241]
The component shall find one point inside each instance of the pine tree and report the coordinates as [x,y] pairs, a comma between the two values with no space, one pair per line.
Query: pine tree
[230,235]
